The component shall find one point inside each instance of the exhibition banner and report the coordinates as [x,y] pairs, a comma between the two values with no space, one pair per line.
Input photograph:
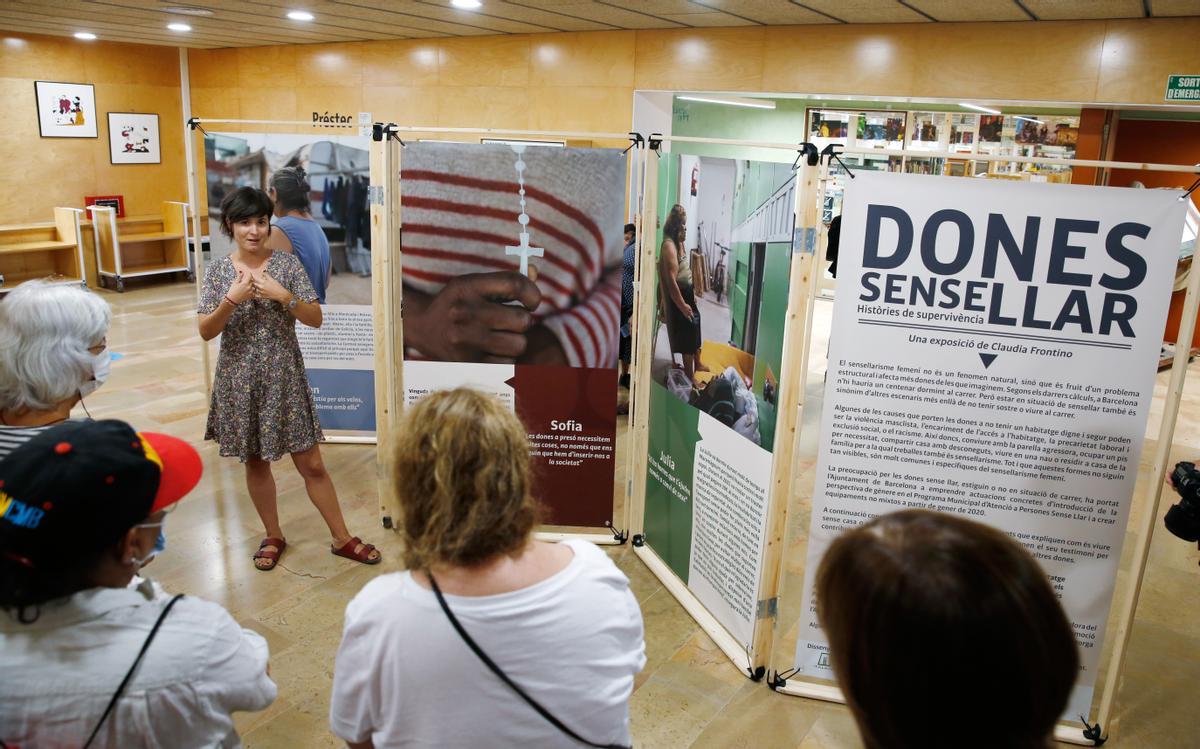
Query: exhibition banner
[511,264]
[724,259]
[339,357]
[993,355]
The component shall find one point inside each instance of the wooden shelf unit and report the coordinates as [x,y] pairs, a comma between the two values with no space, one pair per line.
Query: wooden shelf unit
[50,250]
[140,245]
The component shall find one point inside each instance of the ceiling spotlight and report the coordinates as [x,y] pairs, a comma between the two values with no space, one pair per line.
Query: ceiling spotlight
[466,4]
[978,108]
[300,15]
[85,35]
[179,27]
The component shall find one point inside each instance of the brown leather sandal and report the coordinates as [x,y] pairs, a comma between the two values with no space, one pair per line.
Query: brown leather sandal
[363,555]
[271,555]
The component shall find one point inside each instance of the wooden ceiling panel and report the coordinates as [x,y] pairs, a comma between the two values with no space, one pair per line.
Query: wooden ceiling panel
[951,11]
[251,23]
[768,12]
[659,7]
[866,11]
[233,29]
[613,15]
[1072,10]
[1168,8]
[712,20]
[491,16]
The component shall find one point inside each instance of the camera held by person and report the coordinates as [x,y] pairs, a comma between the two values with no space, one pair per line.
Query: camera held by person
[1183,519]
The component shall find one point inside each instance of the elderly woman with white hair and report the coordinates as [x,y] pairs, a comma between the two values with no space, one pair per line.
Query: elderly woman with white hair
[53,353]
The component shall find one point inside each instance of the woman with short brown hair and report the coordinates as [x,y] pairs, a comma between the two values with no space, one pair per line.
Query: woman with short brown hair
[944,633]
[557,619]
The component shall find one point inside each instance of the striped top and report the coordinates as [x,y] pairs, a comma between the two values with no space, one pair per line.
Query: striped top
[13,437]
[460,212]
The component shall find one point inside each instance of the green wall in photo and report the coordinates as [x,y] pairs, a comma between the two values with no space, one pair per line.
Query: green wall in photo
[673,432]
[769,346]
[737,295]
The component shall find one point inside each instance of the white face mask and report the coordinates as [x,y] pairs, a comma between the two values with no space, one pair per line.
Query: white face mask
[101,365]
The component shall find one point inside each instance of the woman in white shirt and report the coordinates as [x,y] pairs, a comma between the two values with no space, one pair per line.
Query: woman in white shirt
[88,661]
[558,620]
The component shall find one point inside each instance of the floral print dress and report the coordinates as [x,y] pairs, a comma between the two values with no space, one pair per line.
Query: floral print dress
[262,406]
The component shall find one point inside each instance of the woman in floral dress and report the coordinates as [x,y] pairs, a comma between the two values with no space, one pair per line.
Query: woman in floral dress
[262,407]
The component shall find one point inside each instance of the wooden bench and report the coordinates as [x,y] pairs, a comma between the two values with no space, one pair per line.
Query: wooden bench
[49,250]
[140,245]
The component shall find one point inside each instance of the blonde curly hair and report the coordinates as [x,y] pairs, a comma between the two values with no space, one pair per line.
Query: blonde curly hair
[463,481]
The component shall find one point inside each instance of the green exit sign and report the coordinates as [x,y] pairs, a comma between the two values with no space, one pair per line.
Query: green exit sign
[1183,88]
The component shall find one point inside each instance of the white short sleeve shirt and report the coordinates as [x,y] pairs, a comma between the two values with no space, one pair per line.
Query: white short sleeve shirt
[573,642]
[61,670]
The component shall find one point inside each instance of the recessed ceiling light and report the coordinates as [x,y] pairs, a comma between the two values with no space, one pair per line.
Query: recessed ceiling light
[188,10]
[978,108]
[466,4]
[179,27]
[733,101]
[300,15]
[85,35]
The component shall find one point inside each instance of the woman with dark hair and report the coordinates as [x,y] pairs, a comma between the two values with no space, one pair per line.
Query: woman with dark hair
[557,618]
[933,621]
[262,407]
[675,276]
[88,660]
[299,233]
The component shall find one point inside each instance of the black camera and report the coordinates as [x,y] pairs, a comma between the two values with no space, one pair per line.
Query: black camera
[1183,519]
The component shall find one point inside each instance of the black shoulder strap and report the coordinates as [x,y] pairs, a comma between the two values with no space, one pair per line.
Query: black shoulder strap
[504,677]
[129,675]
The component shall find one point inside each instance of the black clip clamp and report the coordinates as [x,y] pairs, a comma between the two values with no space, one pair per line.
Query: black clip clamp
[380,131]
[1191,189]
[831,152]
[809,153]
[194,124]
[654,142]
[1092,733]
[635,139]
[619,536]
[776,680]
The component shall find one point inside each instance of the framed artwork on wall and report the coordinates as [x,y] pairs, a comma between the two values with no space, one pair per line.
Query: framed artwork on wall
[133,138]
[65,110]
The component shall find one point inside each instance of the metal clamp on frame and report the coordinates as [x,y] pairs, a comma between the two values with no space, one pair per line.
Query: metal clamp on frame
[1188,193]
[831,152]
[1094,733]
[635,139]
[619,536]
[390,131]
[778,679]
[194,124]
[655,142]
[809,152]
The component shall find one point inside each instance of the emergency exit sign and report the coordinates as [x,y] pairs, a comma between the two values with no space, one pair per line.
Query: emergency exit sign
[1183,88]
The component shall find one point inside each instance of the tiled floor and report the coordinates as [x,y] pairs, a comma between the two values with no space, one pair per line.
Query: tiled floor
[689,693]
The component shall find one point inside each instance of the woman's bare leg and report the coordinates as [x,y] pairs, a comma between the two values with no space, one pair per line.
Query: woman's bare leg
[319,485]
[261,485]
